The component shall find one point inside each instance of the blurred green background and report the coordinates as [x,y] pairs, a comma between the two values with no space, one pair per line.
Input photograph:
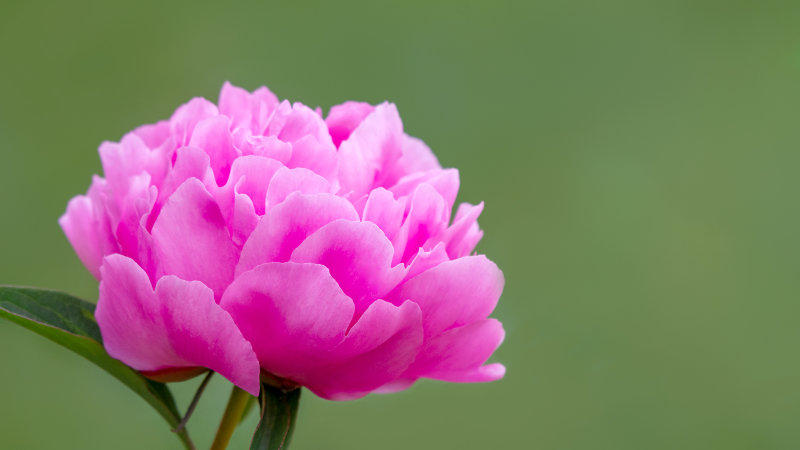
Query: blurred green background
[638,162]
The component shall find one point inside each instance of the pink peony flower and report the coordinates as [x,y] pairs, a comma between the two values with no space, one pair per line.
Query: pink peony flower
[254,237]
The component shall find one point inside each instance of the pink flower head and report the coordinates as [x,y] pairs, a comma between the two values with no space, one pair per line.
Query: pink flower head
[254,237]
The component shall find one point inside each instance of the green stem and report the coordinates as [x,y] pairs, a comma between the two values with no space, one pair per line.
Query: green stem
[278,416]
[231,417]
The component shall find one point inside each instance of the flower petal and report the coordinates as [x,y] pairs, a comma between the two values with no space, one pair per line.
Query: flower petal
[344,118]
[300,180]
[359,257]
[177,326]
[374,145]
[293,314]
[458,354]
[88,230]
[378,348]
[191,239]
[453,293]
[288,224]
[214,136]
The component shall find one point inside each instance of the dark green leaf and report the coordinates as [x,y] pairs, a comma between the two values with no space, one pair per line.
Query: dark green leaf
[278,416]
[69,321]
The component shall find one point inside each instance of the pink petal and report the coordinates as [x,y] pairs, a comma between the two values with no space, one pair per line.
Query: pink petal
[268,146]
[384,211]
[293,314]
[288,224]
[127,159]
[89,232]
[464,234]
[154,135]
[374,145]
[320,157]
[187,116]
[213,135]
[426,219]
[359,257]
[417,157]
[453,293]
[344,118]
[190,162]
[379,348]
[287,181]
[251,176]
[445,182]
[179,325]
[235,103]
[191,239]
[297,122]
[457,355]
[425,260]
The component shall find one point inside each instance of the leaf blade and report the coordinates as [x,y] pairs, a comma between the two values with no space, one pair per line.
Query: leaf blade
[69,322]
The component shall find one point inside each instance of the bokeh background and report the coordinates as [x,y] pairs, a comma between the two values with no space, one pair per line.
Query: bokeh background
[638,160]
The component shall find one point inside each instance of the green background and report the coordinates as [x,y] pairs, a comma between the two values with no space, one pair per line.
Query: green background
[638,161]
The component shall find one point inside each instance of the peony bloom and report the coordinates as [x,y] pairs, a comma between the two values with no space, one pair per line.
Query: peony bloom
[257,238]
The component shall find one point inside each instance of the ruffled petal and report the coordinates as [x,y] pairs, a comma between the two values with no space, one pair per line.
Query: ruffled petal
[457,355]
[177,326]
[425,220]
[186,118]
[288,224]
[358,256]
[293,314]
[378,348]
[191,239]
[287,181]
[344,118]
[453,293]
[213,135]
[374,145]
[384,211]
[462,237]
[87,229]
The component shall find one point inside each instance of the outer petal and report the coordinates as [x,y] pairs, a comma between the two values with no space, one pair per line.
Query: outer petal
[177,326]
[235,103]
[293,314]
[377,349]
[191,240]
[464,234]
[458,355]
[358,256]
[417,157]
[89,232]
[445,182]
[288,224]
[453,293]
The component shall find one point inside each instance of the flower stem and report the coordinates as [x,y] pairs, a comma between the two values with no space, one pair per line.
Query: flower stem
[182,425]
[278,416]
[231,418]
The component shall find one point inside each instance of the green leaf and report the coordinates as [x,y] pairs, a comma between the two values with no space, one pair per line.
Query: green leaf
[70,322]
[278,416]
